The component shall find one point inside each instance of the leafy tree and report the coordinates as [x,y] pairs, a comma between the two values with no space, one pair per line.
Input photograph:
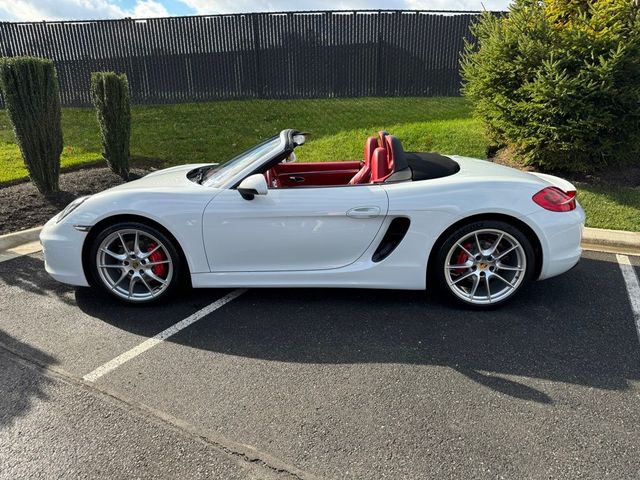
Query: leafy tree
[110,95]
[31,94]
[558,81]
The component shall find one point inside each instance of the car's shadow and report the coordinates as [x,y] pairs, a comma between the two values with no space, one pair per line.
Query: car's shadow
[21,386]
[577,328]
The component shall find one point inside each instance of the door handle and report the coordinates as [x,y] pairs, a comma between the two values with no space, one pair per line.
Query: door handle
[364,212]
[296,179]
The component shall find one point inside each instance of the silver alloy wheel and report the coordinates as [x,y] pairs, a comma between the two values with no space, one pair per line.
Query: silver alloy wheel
[485,266]
[126,260]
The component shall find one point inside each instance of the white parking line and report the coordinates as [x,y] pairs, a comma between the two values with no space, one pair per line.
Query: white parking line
[153,341]
[633,287]
[20,250]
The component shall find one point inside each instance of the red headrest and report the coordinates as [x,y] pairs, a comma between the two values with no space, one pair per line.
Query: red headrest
[379,165]
[381,138]
[390,152]
[370,145]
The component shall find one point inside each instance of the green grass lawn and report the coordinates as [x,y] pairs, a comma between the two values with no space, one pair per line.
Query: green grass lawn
[614,208]
[214,132]
[165,135]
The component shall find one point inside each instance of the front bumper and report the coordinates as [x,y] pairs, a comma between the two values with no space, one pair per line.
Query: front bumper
[62,248]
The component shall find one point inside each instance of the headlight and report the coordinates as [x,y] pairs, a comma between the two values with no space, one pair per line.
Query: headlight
[71,207]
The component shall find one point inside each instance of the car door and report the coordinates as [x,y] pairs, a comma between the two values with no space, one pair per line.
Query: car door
[292,229]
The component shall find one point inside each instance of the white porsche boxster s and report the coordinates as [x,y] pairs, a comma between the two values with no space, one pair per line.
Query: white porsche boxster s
[476,230]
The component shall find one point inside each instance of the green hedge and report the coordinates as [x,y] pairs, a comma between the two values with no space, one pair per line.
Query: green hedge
[31,94]
[558,81]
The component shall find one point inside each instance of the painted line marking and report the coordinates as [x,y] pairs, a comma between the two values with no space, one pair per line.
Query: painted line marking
[20,250]
[633,287]
[160,337]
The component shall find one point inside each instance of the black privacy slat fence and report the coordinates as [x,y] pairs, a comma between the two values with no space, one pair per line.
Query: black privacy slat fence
[259,55]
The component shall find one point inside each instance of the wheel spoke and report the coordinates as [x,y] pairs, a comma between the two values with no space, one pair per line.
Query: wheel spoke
[153,276]
[478,242]
[132,284]
[124,245]
[500,277]
[476,282]
[112,265]
[465,250]
[117,256]
[122,277]
[148,254]
[450,267]
[486,281]
[147,285]
[508,250]
[493,247]
[467,275]
[160,262]
[501,266]
[136,243]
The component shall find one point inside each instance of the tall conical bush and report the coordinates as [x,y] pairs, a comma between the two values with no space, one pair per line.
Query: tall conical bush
[110,95]
[32,98]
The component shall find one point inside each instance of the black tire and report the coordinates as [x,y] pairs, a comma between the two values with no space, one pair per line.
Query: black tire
[175,267]
[471,285]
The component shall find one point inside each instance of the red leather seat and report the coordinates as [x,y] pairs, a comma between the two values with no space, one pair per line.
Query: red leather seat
[380,170]
[272,178]
[364,174]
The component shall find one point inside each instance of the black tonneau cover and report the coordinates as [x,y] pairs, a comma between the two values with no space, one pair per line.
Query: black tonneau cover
[427,166]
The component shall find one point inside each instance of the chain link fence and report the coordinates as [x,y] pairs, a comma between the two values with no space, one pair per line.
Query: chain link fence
[325,54]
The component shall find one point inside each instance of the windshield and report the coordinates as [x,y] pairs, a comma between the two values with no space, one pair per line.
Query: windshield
[218,175]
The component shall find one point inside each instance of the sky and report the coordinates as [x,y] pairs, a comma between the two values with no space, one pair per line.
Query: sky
[37,10]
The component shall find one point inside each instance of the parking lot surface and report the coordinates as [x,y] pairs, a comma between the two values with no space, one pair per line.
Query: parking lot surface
[320,383]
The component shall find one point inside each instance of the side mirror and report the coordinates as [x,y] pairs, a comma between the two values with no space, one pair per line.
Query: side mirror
[253,185]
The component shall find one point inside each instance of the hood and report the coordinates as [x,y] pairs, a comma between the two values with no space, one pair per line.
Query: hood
[166,178]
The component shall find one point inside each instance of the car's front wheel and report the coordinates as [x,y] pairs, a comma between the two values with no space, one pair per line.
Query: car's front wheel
[135,263]
[484,264]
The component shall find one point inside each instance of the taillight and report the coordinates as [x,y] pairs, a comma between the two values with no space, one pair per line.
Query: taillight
[554,199]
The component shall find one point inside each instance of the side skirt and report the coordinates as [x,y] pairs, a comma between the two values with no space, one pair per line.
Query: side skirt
[384,277]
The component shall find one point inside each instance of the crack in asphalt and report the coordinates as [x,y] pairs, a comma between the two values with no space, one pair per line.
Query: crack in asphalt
[243,452]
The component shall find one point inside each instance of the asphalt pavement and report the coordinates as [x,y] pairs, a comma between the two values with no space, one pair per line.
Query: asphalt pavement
[321,383]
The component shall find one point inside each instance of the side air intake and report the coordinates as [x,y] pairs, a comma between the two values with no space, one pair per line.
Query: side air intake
[395,233]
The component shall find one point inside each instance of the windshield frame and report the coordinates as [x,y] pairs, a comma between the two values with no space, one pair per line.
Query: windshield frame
[216,178]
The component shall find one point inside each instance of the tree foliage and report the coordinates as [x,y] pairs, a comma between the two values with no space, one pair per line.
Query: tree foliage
[110,95]
[558,81]
[32,99]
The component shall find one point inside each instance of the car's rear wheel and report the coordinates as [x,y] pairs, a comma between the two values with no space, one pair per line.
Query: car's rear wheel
[135,263]
[484,264]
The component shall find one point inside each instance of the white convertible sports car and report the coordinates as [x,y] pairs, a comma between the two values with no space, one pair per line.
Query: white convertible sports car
[396,220]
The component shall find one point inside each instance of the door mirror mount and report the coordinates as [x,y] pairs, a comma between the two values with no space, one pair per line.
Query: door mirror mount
[253,185]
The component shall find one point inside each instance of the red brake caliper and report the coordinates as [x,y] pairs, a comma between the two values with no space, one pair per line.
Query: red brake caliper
[157,256]
[462,258]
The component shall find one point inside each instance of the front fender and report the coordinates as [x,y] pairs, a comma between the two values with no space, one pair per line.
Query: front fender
[180,213]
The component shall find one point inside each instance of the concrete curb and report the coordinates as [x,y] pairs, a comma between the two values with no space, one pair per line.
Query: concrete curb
[616,241]
[16,239]
[600,239]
